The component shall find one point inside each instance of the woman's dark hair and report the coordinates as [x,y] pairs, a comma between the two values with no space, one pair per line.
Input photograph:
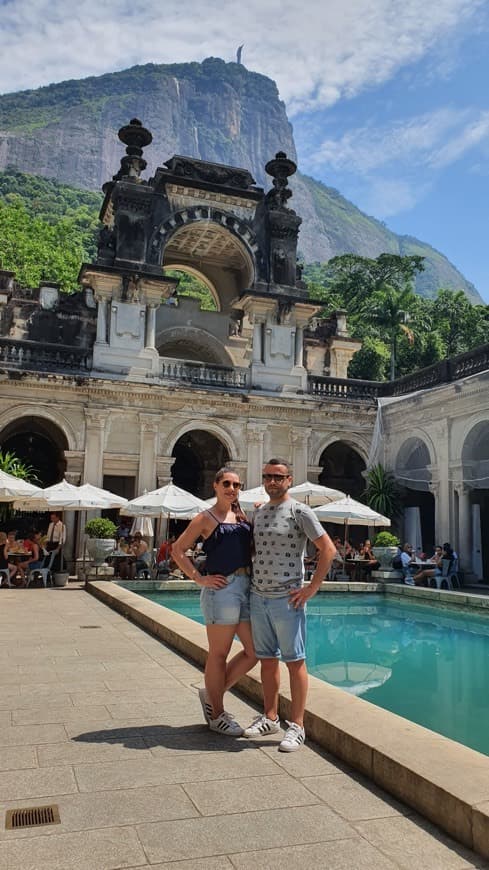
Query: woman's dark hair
[235,506]
[31,534]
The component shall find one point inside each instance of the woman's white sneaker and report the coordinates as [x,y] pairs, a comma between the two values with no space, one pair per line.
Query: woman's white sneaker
[206,705]
[225,724]
[294,738]
[261,726]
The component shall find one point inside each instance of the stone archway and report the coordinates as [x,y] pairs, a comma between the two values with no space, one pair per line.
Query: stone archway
[198,455]
[343,468]
[39,443]
[475,470]
[413,472]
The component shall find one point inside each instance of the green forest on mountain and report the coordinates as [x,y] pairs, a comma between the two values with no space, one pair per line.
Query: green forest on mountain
[48,229]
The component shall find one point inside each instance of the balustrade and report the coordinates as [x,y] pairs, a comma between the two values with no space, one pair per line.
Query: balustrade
[204,374]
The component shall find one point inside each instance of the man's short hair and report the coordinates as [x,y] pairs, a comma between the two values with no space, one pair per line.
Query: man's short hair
[279,461]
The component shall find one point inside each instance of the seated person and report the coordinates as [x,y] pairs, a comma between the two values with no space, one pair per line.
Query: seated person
[406,559]
[12,545]
[140,550]
[32,545]
[4,563]
[163,557]
[366,555]
[426,573]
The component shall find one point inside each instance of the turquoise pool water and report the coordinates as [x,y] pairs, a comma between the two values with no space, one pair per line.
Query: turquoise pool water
[427,663]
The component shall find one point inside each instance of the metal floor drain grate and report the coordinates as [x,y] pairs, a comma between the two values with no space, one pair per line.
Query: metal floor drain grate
[90,626]
[28,817]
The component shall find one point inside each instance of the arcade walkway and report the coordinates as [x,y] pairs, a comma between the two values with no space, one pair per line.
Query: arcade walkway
[102,720]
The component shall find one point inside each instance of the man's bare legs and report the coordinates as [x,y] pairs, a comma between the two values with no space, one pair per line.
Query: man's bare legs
[299,683]
[270,677]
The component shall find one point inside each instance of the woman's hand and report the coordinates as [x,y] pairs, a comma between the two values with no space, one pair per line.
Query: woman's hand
[213,581]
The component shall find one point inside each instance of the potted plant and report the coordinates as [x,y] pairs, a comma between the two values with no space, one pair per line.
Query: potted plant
[385,547]
[101,539]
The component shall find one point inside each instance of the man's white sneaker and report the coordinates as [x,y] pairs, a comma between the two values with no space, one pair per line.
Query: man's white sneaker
[294,738]
[261,726]
[206,706]
[225,724]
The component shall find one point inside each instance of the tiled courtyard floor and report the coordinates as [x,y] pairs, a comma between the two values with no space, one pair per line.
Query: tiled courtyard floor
[104,721]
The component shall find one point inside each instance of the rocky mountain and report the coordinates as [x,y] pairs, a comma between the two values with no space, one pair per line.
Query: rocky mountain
[213,110]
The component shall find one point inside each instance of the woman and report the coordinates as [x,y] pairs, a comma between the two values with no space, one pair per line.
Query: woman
[427,573]
[225,594]
[32,545]
[367,556]
[4,562]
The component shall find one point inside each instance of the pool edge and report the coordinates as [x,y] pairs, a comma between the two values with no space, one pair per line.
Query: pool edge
[446,782]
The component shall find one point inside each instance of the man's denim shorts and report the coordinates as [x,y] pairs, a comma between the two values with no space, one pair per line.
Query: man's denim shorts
[278,628]
[229,605]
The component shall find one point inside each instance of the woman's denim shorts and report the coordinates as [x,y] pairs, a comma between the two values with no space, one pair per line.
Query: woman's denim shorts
[229,605]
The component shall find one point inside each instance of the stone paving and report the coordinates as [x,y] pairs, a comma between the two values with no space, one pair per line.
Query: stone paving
[103,720]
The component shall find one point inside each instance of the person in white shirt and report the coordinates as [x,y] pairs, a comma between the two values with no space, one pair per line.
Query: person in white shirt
[55,539]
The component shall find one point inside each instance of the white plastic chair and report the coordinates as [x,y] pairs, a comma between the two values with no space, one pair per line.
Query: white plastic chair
[43,574]
[448,575]
[5,577]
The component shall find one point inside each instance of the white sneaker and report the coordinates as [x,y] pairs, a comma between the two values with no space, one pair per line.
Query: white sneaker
[206,706]
[225,724]
[294,738]
[261,725]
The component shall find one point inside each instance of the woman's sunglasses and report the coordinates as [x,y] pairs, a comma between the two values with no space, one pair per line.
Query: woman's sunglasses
[228,483]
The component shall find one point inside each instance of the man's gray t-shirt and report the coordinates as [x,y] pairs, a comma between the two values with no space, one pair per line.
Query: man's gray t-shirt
[280,533]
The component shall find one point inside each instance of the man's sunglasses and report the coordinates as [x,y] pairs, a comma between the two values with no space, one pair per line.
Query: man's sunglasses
[228,483]
[277,478]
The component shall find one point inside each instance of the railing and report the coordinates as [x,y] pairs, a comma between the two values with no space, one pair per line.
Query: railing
[344,389]
[20,354]
[203,374]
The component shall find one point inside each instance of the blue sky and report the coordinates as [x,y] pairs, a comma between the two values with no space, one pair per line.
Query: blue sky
[388,98]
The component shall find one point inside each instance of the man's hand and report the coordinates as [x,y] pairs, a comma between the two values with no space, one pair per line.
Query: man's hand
[214,581]
[299,596]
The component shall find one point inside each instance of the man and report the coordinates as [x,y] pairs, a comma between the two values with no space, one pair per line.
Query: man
[406,559]
[278,598]
[140,550]
[56,537]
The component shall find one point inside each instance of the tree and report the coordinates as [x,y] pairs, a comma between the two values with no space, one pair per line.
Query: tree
[382,492]
[356,278]
[390,309]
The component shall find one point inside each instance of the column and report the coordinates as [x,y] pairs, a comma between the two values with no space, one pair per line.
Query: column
[95,421]
[101,321]
[464,542]
[257,339]
[254,436]
[150,327]
[164,465]
[434,488]
[299,346]
[299,439]
[148,449]
[71,520]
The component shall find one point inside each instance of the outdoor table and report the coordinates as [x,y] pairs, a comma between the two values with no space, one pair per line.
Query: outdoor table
[18,556]
[117,558]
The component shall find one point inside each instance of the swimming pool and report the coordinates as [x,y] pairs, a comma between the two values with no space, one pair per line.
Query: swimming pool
[425,662]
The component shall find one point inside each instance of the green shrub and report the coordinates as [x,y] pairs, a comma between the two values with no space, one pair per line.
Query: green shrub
[100,528]
[386,539]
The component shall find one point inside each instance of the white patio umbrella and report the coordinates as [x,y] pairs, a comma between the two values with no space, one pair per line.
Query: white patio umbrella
[144,525]
[65,496]
[350,513]
[314,494]
[14,487]
[168,501]
[249,497]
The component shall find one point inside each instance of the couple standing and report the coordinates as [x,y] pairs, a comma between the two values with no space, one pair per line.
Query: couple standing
[264,607]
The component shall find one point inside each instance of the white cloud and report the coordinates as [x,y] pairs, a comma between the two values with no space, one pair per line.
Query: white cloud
[431,139]
[317,51]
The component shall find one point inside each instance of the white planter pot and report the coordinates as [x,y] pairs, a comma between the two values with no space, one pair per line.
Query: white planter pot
[99,549]
[61,578]
[385,556]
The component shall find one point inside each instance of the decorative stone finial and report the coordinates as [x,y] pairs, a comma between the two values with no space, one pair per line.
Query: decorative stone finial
[280,168]
[135,137]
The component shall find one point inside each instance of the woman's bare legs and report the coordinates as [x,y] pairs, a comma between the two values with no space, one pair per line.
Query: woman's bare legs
[243,661]
[220,675]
